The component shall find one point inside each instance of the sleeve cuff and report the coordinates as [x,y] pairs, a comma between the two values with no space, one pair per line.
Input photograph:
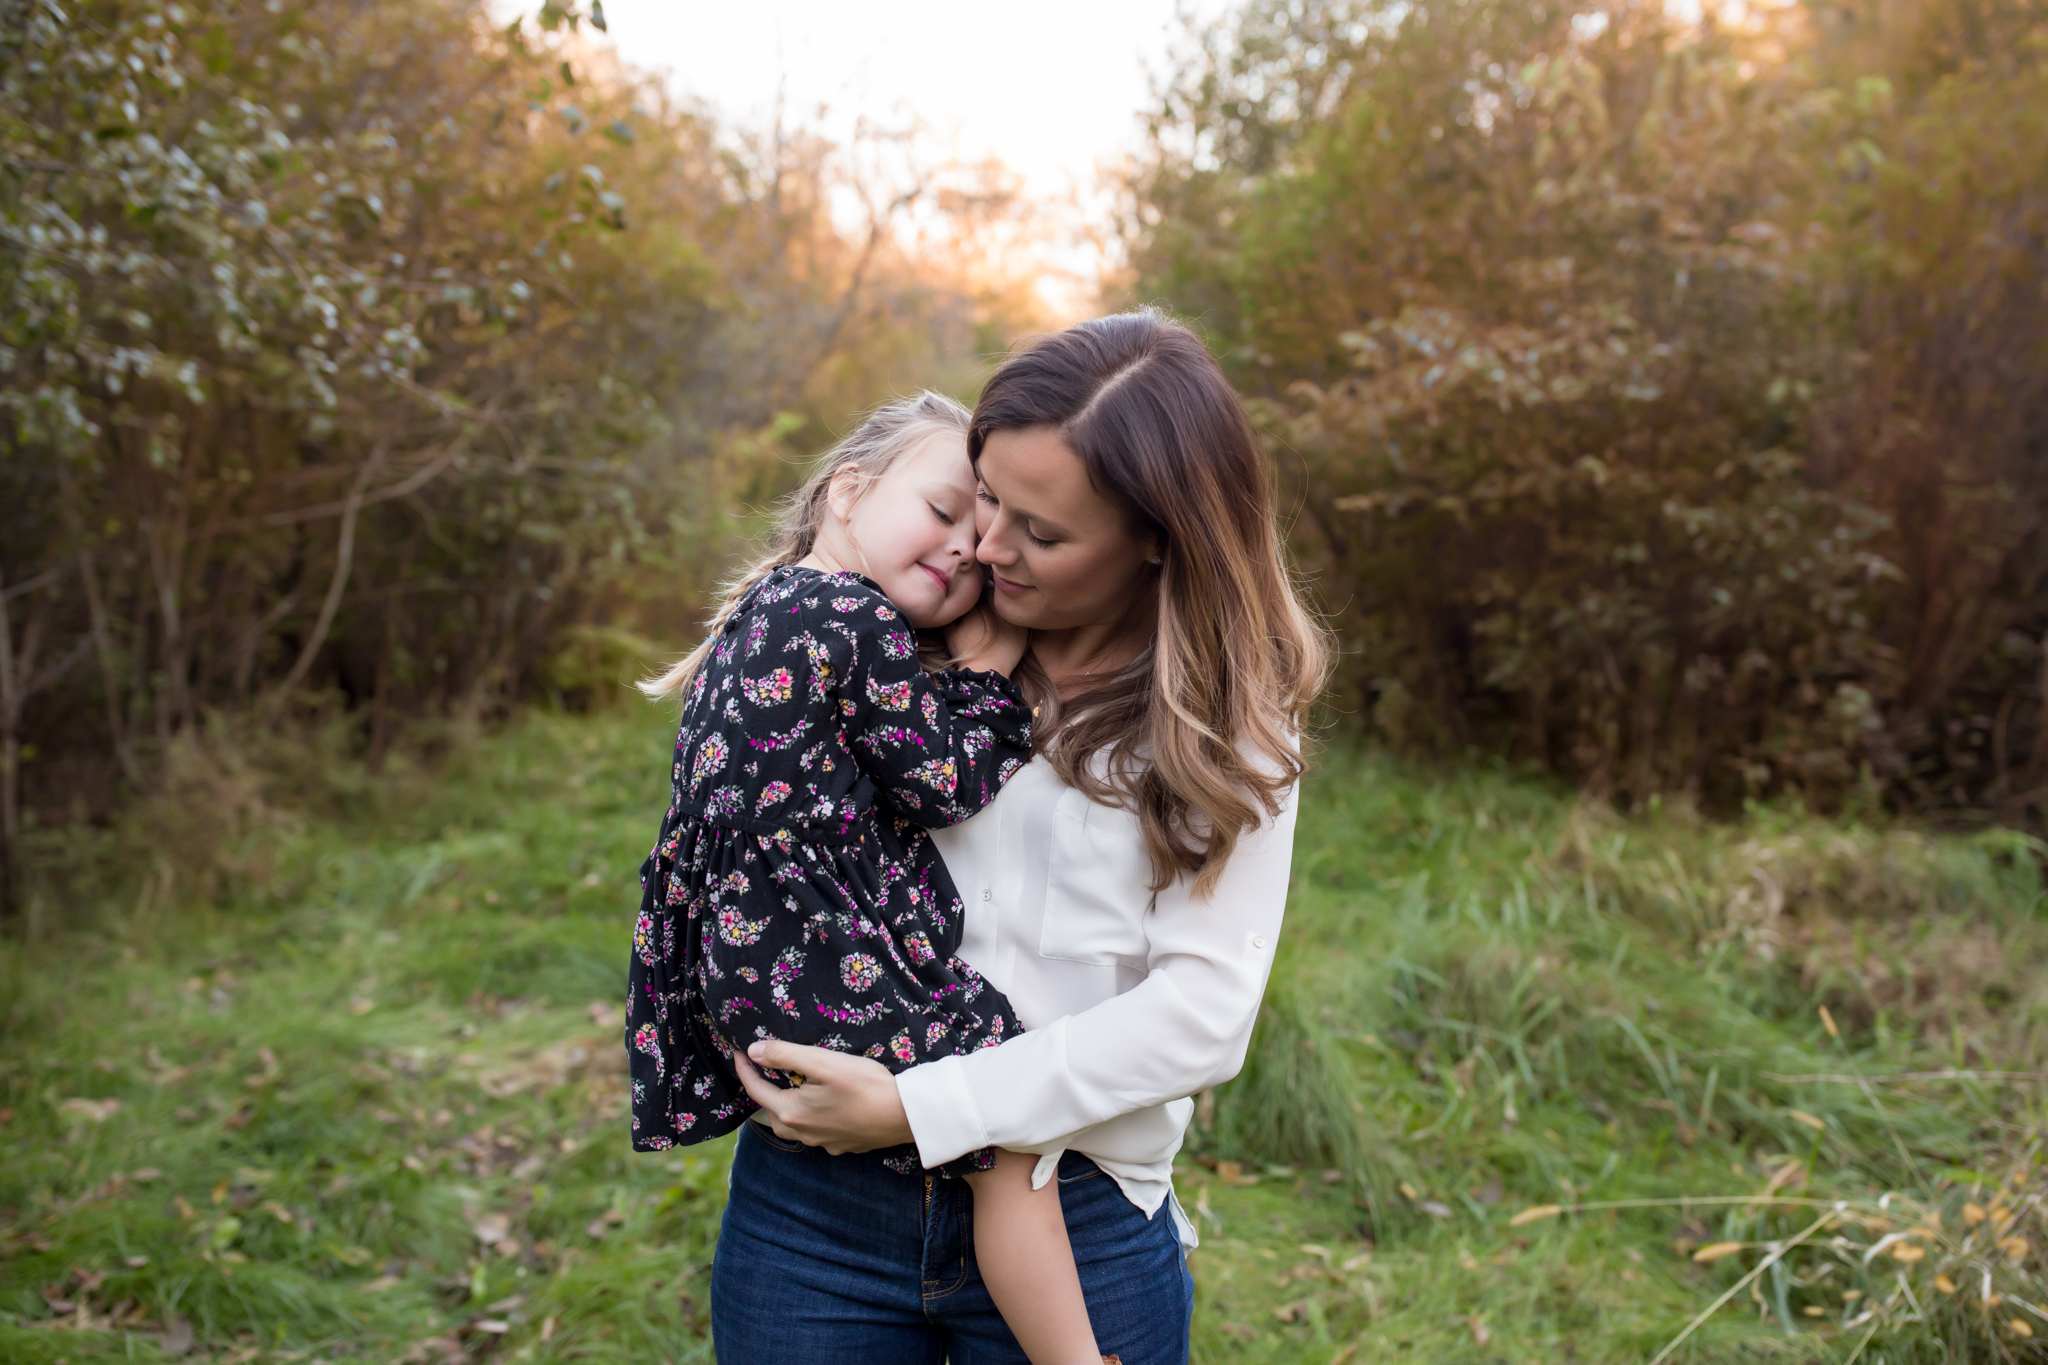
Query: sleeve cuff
[941,1109]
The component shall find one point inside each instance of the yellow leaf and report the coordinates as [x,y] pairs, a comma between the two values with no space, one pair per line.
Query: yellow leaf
[1972,1215]
[1716,1251]
[1819,1125]
[1944,1284]
[2014,1247]
[1535,1215]
[2020,1328]
[1827,1021]
[1907,1252]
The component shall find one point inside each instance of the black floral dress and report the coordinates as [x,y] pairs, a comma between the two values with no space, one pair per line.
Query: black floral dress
[793,892]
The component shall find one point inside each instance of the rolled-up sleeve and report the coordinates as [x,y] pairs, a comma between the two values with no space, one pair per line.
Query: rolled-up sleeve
[1181,1029]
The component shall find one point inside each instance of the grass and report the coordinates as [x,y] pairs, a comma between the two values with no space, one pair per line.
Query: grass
[1519,1085]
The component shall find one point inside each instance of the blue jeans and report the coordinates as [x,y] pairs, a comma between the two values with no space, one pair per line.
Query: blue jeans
[825,1259]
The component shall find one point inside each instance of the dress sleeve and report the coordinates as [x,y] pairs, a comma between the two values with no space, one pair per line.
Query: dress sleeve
[1180,1030]
[937,746]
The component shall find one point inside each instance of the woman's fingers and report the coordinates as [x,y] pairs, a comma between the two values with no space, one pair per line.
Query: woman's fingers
[757,1086]
[773,1052]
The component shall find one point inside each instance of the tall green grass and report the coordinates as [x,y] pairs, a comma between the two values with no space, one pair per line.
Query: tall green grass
[339,1077]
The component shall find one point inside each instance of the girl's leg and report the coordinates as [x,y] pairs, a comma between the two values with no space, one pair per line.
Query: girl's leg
[821,1260]
[1133,1272]
[1021,1247]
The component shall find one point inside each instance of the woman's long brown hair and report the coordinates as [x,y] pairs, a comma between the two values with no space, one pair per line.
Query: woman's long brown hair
[1201,736]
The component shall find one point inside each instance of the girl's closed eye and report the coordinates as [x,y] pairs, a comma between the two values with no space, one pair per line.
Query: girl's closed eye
[945,518]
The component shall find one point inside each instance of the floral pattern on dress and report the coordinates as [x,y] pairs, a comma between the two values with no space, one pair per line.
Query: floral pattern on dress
[793,891]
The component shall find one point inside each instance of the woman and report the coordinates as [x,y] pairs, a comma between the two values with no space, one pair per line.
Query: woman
[1124,891]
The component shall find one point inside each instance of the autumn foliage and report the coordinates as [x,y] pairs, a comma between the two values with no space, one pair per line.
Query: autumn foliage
[1663,403]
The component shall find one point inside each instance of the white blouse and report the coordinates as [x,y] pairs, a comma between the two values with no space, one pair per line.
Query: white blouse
[1133,1001]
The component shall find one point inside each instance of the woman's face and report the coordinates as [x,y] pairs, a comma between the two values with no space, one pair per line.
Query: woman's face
[1063,555]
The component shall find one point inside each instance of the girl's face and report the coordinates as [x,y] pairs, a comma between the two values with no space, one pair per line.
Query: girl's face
[912,531]
[1064,556]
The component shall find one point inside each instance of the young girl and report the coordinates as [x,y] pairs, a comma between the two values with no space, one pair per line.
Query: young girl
[793,892]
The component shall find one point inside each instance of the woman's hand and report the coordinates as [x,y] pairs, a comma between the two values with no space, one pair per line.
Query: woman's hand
[846,1104]
[983,640]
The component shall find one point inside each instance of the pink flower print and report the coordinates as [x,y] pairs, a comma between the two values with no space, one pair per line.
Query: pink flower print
[750,976]
[643,937]
[647,1040]
[1008,770]
[724,801]
[737,930]
[845,604]
[890,696]
[774,794]
[897,644]
[933,1032]
[734,883]
[711,756]
[884,614]
[931,709]
[919,947]
[938,774]
[683,1124]
[757,631]
[778,686]
[900,1046]
[787,967]
[859,971]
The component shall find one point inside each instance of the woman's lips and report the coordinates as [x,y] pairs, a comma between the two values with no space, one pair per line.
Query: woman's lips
[1005,585]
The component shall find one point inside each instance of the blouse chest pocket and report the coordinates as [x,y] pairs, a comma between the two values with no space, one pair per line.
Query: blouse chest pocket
[1098,886]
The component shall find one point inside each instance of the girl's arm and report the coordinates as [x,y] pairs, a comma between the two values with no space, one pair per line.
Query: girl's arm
[937,746]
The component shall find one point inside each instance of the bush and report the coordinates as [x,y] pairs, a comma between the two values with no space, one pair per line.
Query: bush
[1651,396]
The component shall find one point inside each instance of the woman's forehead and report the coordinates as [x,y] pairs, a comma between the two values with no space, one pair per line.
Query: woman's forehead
[1037,470]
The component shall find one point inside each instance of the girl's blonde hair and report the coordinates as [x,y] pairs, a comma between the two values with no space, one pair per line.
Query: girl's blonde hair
[888,434]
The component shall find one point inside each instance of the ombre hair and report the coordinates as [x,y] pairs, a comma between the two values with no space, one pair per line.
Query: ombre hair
[1201,735]
[888,434]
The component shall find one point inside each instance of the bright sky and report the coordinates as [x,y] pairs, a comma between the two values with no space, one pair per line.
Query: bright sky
[1052,88]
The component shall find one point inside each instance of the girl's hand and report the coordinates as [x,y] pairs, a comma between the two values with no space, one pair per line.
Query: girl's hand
[983,640]
[846,1104]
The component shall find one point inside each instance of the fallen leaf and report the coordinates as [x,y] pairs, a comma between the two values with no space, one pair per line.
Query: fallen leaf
[1481,1333]
[1436,1209]
[135,1262]
[492,1228]
[1944,1284]
[1819,1125]
[92,1111]
[1906,1253]
[380,1284]
[176,1339]
[2014,1247]
[1535,1215]
[2020,1328]
[1972,1215]
[1489,1194]
[361,1004]
[1715,1251]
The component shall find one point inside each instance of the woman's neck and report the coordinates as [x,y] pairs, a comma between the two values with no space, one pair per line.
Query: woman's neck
[1076,658]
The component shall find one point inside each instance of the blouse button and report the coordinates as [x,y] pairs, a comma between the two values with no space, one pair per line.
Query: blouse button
[1258,940]
[984,893]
